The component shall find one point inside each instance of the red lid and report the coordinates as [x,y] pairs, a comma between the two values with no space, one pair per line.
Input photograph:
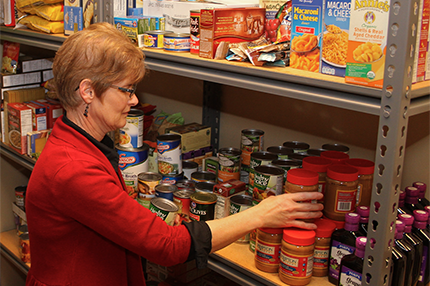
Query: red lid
[302,177]
[325,227]
[364,167]
[272,230]
[316,164]
[339,223]
[335,156]
[342,172]
[298,236]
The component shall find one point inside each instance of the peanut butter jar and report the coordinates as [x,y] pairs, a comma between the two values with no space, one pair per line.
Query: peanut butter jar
[325,228]
[365,179]
[296,259]
[267,249]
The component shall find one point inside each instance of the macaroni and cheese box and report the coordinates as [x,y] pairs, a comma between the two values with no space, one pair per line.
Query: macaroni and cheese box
[368,29]
[335,37]
[38,116]
[306,27]
[232,25]
[20,123]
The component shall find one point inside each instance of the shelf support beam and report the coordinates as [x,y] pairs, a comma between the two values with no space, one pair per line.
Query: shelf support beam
[211,111]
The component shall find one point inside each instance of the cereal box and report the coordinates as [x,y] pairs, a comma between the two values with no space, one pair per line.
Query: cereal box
[306,31]
[232,25]
[20,123]
[38,116]
[368,28]
[335,37]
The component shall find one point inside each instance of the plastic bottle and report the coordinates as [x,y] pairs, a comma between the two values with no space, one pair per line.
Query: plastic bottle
[351,265]
[267,249]
[398,268]
[419,228]
[411,201]
[408,250]
[427,209]
[342,243]
[364,212]
[402,198]
[422,187]
[336,157]
[365,179]
[416,242]
[323,232]
[319,165]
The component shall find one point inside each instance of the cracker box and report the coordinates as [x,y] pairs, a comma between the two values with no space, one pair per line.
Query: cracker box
[20,123]
[368,28]
[232,25]
[335,37]
[39,117]
[194,136]
[73,21]
[306,28]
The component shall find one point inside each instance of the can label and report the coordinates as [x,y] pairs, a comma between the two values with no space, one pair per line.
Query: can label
[169,157]
[229,165]
[153,40]
[202,209]
[146,188]
[266,181]
[131,135]
[239,203]
[172,179]
[194,31]
[252,141]
[168,214]
[177,44]
[132,162]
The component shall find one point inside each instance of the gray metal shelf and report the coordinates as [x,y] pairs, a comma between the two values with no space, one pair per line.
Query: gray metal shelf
[22,160]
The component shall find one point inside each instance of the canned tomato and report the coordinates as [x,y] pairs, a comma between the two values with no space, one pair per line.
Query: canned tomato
[228,164]
[131,135]
[240,203]
[203,176]
[298,147]
[177,42]
[202,206]
[185,184]
[172,179]
[194,31]
[281,151]
[189,167]
[169,154]
[165,209]
[146,187]
[252,141]
[182,200]
[267,181]
[207,187]
[154,39]
[165,191]
[286,164]
[132,162]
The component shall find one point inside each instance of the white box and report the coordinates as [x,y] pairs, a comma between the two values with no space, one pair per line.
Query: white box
[36,65]
[177,14]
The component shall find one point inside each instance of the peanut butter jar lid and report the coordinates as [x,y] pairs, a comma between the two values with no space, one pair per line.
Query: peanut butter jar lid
[342,172]
[324,227]
[364,167]
[298,236]
[302,177]
[272,230]
[335,156]
[316,164]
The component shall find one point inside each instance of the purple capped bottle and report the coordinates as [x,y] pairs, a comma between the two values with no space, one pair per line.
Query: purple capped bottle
[402,198]
[351,265]
[411,201]
[408,251]
[416,242]
[427,209]
[419,229]
[364,212]
[342,243]
[422,187]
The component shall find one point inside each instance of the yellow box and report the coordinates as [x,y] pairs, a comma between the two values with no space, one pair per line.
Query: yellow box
[194,136]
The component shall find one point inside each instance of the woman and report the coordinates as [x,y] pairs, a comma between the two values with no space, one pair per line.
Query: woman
[84,228]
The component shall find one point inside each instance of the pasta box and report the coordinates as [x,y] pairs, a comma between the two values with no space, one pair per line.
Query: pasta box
[306,29]
[335,37]
[39,117]
[20,123]
[368,27]
[232,25]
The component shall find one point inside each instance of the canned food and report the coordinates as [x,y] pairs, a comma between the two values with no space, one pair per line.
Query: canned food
[165,191]
[260,158]
[267,181]
[146,187]
[252,141]
[203,176]
[240,203]
[194,31]
[228,164]
[207,187]
[131,135]
[286,164]
[189,167]
[132,162]
[172,179]
[177,42]
[155,39]
[185,184]
[169,154]
[202,206]
[182,199]
[281,151]
[314,152]
[298,147]
[335,147]
[24,241]
[298,156]
[20,196]
[165,209]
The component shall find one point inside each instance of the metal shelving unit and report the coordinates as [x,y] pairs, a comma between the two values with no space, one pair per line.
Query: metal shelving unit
[394,104]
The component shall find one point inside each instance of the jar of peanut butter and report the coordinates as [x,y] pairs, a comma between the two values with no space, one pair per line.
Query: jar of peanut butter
[365,179]
[301,180]
[267,249]
[323,232]
[336,157]
[319,165]
[296,259]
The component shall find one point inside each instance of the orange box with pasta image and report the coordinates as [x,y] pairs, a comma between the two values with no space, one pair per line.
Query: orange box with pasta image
[368,27]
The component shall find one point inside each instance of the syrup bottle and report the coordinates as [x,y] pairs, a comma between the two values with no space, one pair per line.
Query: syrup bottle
[411,201]
[342,243]
[402,198]
[398,268]
[422,200]
[416,242]
[419,228]
[408,251]
[351,265]
[364,212]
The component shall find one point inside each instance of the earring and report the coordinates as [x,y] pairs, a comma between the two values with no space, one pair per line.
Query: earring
[86,110]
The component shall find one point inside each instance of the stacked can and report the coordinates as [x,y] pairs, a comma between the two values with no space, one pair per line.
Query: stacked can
[147,181]
[260,158]
[252,140]
[169,157]
[229,164]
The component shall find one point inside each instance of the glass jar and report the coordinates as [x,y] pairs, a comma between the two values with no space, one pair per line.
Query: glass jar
[365,179]
[267,249]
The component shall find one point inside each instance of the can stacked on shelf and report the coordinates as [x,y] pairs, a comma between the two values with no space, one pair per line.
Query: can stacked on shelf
[147,181]
[169,157]
[229,164]
[252,140]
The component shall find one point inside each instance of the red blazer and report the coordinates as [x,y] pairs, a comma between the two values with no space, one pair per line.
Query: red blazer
[84,228]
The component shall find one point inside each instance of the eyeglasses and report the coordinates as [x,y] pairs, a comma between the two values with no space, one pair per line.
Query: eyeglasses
[123,89]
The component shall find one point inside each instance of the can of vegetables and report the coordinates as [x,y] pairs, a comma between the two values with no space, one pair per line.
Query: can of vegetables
[267,181]
[169,154]
[229,164]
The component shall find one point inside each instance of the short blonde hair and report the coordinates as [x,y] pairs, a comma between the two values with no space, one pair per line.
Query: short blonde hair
[100,53]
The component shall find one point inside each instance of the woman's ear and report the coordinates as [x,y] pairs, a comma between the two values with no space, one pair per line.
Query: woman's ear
[86,91]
